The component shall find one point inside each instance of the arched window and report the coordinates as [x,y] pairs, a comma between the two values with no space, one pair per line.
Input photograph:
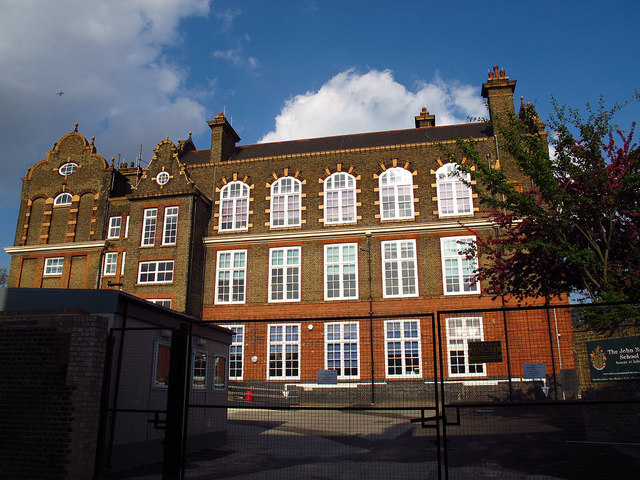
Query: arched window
[454,192]
[340,198]
[286,193]
[396,194]
[62,199]
[234,207]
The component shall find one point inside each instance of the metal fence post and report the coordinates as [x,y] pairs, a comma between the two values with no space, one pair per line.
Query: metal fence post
[176,406]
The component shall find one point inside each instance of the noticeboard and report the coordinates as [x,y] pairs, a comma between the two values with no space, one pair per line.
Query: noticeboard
[485,352]
[327,377]
[534,371]
[614,359]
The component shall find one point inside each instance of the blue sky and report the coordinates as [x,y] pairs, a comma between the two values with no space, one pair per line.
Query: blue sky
[135,71]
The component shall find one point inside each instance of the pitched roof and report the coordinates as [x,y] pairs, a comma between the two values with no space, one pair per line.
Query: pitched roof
[348,142]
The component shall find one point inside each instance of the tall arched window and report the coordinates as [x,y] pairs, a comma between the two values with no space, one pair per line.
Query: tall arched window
[396,194]
[62,199]
[454,192]
[340,198]
[286,194]
[234,207]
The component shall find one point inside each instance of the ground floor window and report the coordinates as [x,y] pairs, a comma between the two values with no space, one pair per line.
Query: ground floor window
[284,351]
[165,302]
[220,373]
[402,348]
[161,367]
[199,377]
[342,348]
[461,331]
[236,348]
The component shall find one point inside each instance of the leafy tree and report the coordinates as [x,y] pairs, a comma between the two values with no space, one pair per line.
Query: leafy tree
[572,222]
[4,276]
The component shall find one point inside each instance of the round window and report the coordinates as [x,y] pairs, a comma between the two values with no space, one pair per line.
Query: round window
[162,178]
[68,168]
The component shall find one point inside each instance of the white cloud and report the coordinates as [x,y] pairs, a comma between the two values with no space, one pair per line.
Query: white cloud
[352,102]
[107,56]
[227,17]
[236,57]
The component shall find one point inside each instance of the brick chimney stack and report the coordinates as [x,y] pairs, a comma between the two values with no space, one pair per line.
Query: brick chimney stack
[223,139]
[498,90]
[424,119]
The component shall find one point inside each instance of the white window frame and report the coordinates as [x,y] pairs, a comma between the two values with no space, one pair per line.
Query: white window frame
[457,270]
[396,194]
[286,340]
[234,207]
[68,168]
[236,351]
[126,228]
[63,200]
[340,195]
[286,198]
[401,265]
[53,266]
[170,230]
[291,275]
[407,371]
[115,227]
[149,224]
[162,178]
[339,270]
[235,276]
[462,335]
[163,302]
[156,272]
[110,264]
[342,335]
[124,257]
[455,196]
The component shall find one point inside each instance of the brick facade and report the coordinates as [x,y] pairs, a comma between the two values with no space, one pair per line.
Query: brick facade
[240,208]
[52,364]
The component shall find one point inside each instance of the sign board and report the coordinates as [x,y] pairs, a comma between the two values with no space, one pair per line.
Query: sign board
[534,371]
[327,377]
[614,359]
[485,352]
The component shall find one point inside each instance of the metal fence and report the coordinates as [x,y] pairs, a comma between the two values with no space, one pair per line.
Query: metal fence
[497,393]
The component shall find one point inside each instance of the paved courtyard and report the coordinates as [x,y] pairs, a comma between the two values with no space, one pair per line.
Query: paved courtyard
[489,443]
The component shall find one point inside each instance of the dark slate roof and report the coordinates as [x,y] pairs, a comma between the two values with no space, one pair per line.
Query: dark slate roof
[347,142]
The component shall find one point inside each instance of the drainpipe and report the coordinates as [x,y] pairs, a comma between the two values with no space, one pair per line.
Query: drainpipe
[104,226]
[373,388]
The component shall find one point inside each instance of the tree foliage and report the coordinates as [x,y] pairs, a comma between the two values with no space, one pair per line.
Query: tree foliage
[575,225]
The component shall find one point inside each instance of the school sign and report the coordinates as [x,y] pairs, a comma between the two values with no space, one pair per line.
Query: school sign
[615,359]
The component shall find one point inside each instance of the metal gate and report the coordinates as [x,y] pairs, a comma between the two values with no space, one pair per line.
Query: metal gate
[494,393]
[538,410]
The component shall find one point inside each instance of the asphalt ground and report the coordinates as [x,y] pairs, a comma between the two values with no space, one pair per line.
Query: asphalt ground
[489,443]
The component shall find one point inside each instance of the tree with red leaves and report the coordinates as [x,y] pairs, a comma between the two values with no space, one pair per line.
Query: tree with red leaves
[575,228]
